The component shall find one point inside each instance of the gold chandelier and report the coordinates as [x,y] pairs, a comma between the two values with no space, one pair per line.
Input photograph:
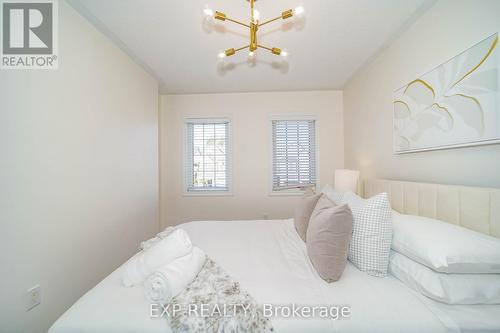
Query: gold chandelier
[253,27]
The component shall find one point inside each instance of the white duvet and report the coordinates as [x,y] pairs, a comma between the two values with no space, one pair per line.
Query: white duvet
[270,261]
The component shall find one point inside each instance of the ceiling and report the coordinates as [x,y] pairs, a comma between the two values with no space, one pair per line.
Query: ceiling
[175,42]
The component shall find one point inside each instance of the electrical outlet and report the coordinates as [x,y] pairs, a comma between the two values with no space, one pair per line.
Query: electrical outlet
[33,297]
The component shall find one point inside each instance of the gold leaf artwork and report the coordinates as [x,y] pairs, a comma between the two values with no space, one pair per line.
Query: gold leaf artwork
[454,104]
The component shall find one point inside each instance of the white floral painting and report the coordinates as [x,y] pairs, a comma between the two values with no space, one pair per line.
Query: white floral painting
[454,105]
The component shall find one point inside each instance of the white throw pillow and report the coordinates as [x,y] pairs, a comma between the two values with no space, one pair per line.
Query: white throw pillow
[372,234]
[443,287]
[445,247]
[332,194]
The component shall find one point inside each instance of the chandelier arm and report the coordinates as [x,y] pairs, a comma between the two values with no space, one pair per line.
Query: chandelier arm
[269,21]
[273,50]
[237,22]
[265,47]
[242,48]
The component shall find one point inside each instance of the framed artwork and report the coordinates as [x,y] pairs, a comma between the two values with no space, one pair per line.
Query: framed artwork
[454,105]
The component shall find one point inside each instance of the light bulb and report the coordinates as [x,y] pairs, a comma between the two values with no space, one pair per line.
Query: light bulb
[298,10]
[208,12]
[221,55]
[251,54]
[256,15]
[284,53]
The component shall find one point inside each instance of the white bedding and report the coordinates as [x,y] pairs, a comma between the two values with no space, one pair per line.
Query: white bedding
[269,260]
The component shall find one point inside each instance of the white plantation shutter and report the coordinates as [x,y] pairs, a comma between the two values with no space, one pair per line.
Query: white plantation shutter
[207,155]
[294,153]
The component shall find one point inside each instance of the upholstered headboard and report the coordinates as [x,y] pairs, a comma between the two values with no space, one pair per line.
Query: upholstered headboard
[475,208]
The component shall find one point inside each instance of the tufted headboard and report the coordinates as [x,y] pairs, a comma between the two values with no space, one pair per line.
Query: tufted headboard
[475,208]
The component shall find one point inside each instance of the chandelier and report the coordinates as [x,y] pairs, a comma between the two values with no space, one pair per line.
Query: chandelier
[253,27]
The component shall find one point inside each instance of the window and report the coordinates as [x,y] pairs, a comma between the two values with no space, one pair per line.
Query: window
[294,153]
[207,156]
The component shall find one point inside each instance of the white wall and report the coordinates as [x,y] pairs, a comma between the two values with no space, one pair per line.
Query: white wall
[79,173]
[250,119]
[448,28]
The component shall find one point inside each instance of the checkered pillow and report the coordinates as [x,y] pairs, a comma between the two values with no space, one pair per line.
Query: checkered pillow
[372,234]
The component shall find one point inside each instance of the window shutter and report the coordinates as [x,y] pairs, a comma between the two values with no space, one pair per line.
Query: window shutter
[207,155]
[294,153]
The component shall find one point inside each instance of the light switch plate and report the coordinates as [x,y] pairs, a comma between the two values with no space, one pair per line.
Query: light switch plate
[33,297]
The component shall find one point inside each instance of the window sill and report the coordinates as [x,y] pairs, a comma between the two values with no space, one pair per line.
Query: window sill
[208,194]
[285,194]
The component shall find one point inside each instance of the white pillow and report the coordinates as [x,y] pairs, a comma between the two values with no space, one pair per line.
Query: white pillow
[372,233]
[445,247]
[446,288]
[332,194]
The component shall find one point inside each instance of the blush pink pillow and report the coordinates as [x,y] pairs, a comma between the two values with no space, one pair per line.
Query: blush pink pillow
[303,212]
[328,236]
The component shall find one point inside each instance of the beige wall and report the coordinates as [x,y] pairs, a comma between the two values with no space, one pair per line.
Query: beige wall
[79,173]
[250,119]
[448,28]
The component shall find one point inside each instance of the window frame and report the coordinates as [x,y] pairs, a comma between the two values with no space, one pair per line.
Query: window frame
[229,153]
[292,117]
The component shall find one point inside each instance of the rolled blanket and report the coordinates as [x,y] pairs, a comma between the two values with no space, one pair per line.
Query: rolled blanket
[171,279]
[140,266]
[147,244]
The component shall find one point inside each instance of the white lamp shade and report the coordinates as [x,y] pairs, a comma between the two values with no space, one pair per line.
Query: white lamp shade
[346,180]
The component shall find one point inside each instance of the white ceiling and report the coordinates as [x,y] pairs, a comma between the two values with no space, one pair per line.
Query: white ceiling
[175,43]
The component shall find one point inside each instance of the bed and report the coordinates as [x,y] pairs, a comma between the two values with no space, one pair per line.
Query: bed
[269,260]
